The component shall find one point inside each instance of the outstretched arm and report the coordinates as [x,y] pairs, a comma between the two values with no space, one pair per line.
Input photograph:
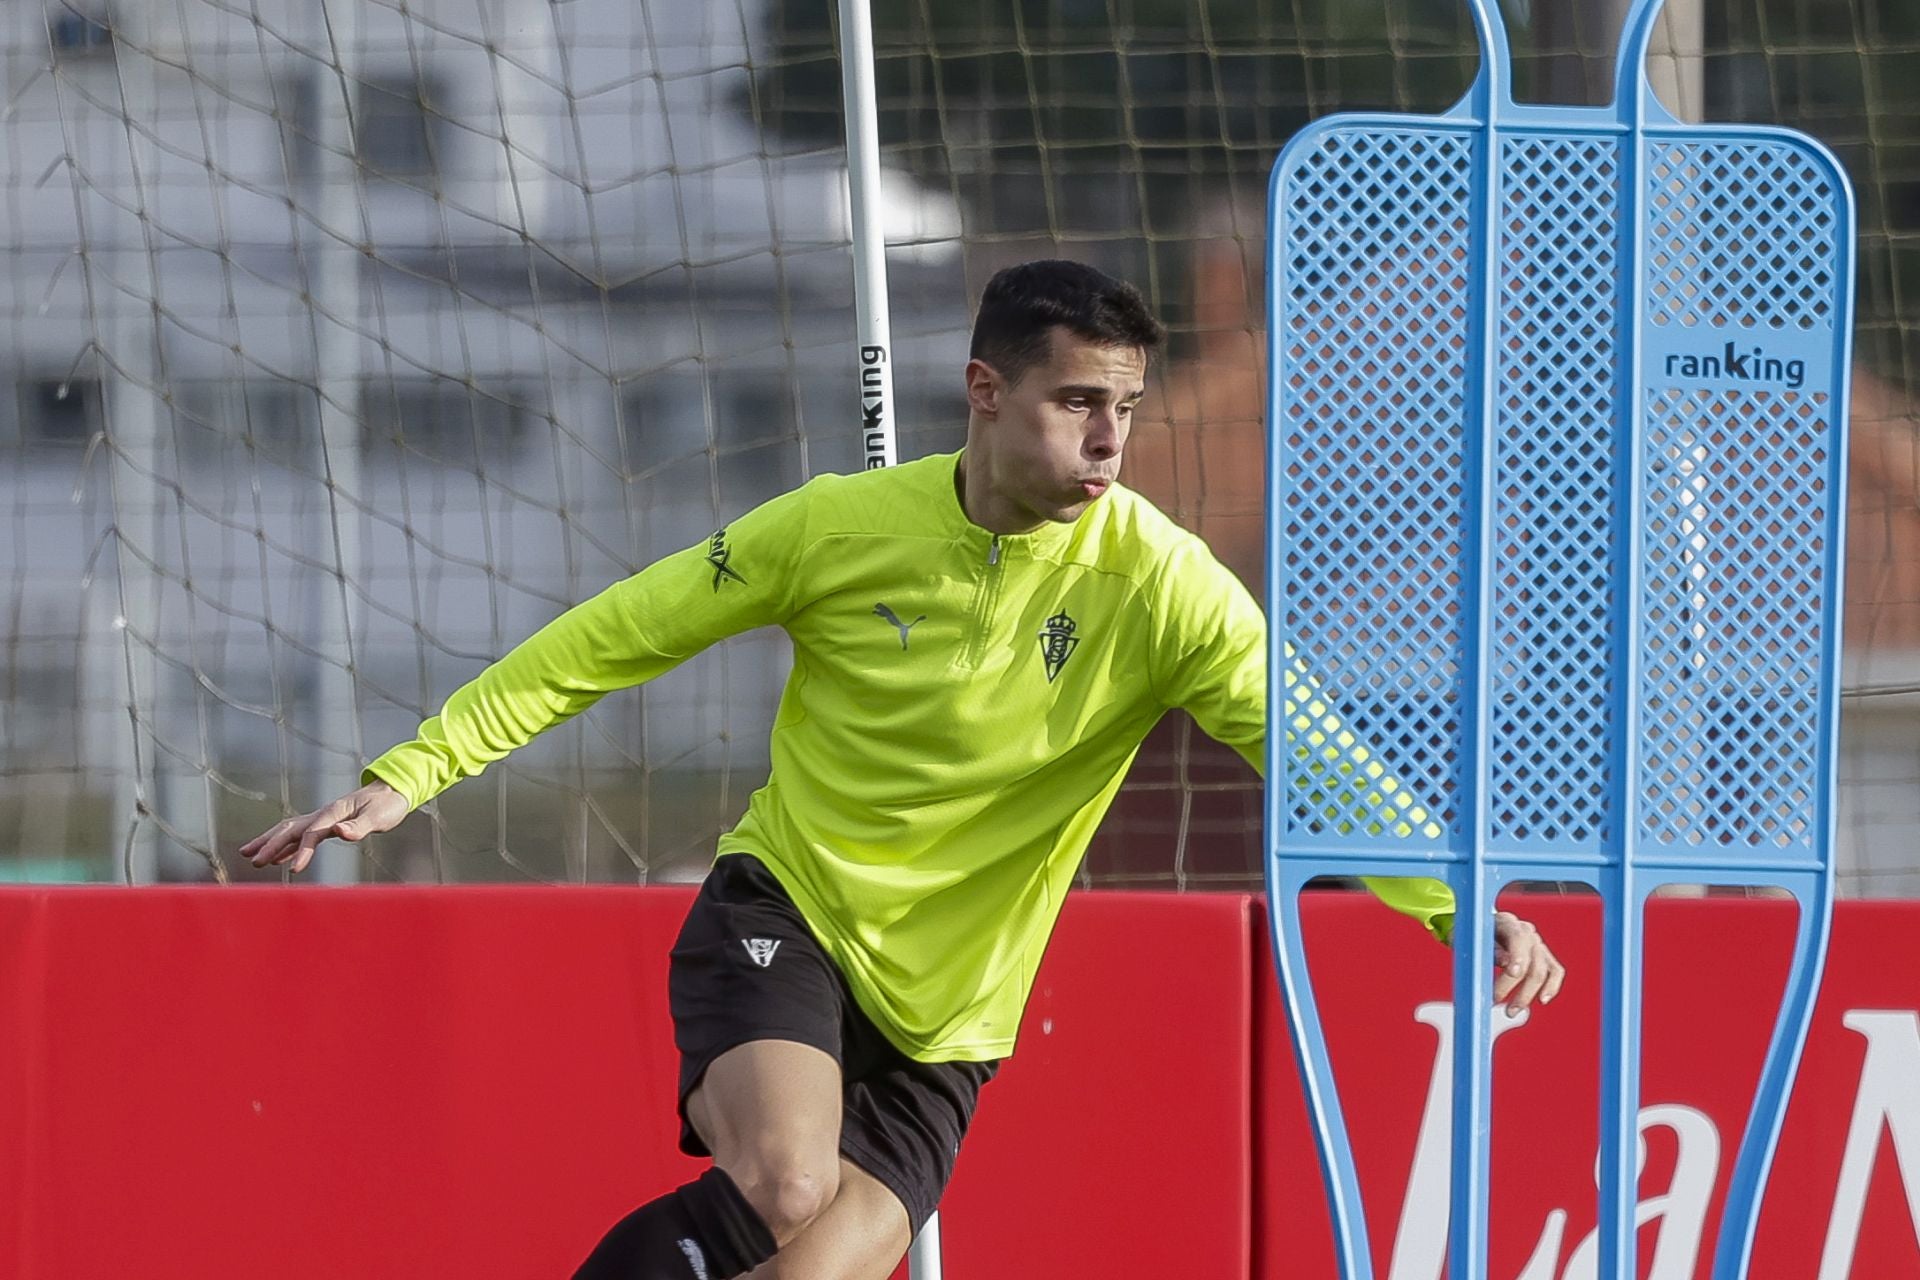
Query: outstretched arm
[1213,641]
[1211,658]
[740,578]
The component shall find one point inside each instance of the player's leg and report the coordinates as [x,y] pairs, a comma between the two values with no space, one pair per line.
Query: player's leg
[862,1235]
[757,1021]
[769,1111]
[900,1134]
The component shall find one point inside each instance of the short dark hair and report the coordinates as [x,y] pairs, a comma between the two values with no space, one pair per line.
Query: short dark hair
[1022,305]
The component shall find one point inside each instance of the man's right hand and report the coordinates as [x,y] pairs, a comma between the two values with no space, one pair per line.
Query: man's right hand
[353,817]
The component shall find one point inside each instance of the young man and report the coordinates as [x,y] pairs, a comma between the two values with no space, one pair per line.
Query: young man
[980,642]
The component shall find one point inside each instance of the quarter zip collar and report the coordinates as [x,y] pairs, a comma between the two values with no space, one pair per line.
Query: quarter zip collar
[995,548]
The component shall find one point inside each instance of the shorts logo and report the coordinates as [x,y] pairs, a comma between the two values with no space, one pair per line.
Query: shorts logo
[1058,642]
[695,1257]
[760,950]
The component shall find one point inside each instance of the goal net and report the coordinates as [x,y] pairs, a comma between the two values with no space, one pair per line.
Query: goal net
[348,341]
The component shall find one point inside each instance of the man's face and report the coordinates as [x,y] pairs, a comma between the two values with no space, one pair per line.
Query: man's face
[1053,438]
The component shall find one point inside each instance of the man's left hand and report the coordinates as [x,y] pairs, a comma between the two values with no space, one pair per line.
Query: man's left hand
[1527,969]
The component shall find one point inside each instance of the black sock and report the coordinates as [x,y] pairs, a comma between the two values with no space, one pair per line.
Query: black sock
[704,1231]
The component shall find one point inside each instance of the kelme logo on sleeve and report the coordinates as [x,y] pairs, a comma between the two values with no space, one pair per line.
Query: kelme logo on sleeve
[718,553]
[1057,642]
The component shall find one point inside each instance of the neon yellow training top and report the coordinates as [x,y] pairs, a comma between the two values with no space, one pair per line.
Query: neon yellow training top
[961,711]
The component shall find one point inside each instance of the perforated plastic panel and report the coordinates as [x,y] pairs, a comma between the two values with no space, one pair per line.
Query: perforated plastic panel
[1398,382]
[1557,437]
[1553,442]
[1741,233]
[1376,368]
[1736,509]
[1741,473]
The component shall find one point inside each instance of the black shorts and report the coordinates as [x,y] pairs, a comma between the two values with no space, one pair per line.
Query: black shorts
[746,967]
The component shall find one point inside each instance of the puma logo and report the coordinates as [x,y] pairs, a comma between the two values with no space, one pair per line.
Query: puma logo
[894,618]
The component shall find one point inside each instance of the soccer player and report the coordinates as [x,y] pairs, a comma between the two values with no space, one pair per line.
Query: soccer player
[980,642]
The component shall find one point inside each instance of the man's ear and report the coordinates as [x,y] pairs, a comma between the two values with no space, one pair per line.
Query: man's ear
[984,387]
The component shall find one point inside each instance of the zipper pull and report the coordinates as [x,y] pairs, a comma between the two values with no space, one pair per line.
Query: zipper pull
[993,552]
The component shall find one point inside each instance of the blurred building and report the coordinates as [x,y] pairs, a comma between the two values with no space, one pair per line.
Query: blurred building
[488,303]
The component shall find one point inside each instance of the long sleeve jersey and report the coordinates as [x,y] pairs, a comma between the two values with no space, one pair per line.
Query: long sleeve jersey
[961,710]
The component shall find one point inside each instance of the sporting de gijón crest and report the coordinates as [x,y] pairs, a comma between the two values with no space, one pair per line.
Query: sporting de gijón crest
[1057,642]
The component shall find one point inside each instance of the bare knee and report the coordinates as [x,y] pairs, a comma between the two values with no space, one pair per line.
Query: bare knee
[788,1194]
[770,1113]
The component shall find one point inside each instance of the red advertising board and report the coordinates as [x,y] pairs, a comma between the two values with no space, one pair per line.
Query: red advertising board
[371,1083]
[375,1083]
[1839,1204]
